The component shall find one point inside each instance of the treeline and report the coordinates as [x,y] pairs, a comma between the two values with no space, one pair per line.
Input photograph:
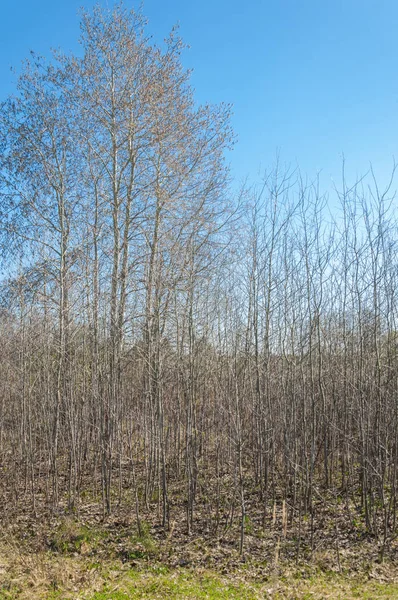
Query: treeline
[162,341]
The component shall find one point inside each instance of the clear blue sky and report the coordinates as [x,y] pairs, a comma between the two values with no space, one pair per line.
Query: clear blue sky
[312,78]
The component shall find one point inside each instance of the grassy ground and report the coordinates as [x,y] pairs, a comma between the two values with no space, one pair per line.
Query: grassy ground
[71,559]
[80,555]
[72,575]
[189,585]
[150,584]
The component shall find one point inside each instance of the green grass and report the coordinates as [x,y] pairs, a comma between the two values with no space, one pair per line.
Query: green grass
[70,536]
[182,584]
[175,584]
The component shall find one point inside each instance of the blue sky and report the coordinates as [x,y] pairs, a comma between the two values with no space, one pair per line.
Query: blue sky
[311,79]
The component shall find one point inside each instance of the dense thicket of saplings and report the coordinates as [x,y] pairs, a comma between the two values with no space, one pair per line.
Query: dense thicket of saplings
[162,342]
